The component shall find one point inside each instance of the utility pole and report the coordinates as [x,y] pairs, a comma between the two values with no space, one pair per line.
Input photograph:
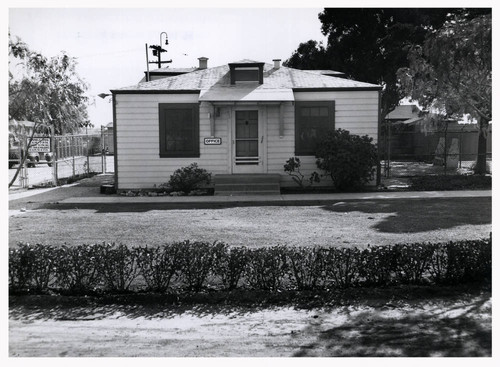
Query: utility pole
[157,50]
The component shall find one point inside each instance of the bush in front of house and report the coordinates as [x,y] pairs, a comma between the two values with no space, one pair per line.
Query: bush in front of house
[450,182]
[196,266]
[348,159]
[190,178]
[292,168]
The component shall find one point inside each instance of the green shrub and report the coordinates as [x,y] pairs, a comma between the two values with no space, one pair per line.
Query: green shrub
[118,266]
[349,160]
[292,168]
[88,268]
[230,264]
[377,265]
[307,267]
[32,267]
[457,262]
[187,179]
[158,265]
[196,263]
[342,266]
[77,268]
[412,261]
[450,182]
[267,268]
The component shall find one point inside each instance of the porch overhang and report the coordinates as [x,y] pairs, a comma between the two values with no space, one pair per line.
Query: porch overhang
[245,94]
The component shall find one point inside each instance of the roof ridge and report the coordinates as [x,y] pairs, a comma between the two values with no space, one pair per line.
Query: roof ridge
[275,78]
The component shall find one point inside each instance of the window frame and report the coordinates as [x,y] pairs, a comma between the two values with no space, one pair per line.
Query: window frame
[301,151]
[162,114]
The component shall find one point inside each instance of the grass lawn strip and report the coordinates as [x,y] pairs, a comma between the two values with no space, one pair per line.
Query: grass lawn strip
[350,223]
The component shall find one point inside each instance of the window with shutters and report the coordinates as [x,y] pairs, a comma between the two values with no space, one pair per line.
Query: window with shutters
[179,130]
[312,121]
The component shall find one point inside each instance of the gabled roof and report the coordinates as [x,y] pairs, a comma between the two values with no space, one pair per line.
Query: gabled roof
[218,77]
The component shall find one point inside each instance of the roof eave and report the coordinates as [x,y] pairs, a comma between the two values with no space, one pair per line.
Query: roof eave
[155,91]
[334,89]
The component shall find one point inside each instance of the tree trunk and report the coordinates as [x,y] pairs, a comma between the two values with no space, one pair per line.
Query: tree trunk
[481,167]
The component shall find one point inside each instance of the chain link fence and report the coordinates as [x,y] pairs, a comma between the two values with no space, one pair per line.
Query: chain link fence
[410,151]
[62,159]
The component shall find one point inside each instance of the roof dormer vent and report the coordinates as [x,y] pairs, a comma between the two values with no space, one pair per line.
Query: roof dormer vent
[246,72]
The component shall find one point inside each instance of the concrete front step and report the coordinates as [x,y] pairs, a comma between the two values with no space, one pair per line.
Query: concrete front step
[247,184]
[247,178]
[248,187]
[246,193]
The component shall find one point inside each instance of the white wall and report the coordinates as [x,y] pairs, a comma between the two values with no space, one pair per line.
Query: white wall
[138,146]
[139,164]
[354,111]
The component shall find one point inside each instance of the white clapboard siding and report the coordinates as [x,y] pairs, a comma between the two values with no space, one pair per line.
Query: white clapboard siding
[137,117]
[354,111]
[137,139]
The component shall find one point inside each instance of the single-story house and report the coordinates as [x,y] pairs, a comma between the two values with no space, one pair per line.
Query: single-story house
[243,118]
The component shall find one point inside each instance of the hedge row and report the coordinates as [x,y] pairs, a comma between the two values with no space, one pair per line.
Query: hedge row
[193,266]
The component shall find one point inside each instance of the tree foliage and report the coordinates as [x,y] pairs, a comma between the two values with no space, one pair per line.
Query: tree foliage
[452,72]
[48,92]
[371,44]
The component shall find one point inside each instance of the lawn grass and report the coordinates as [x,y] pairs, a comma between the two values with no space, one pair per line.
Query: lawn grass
[349,223]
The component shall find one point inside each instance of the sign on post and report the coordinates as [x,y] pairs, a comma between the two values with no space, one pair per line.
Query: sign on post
[40,145]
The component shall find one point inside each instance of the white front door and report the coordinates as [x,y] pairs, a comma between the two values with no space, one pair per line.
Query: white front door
[248,141]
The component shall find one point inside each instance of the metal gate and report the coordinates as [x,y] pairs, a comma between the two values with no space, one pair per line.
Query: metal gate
[69,158]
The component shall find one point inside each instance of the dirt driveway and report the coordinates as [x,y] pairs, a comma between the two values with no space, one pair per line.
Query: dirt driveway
[432,328]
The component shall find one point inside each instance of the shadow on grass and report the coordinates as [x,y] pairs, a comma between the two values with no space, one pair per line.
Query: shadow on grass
[421,215]
[417,334]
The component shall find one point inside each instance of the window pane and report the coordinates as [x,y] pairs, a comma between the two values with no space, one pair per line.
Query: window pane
[312,122]
[247,124]
[179,130]
[323,111]
[247,148]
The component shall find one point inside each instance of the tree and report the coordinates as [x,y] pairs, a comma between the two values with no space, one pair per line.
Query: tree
[48,92]
[372,44]
[452,73]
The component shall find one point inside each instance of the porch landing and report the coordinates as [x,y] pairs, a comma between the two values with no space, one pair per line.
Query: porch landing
[247,184]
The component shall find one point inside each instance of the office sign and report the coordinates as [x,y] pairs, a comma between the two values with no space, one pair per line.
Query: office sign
[213,141]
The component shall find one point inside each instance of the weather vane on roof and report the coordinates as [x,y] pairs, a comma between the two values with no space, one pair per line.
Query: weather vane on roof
[157,51]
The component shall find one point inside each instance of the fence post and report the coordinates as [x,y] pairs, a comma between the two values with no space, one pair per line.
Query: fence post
[102,150]
[23,174]
[88,154]
[72,147]
[54,157]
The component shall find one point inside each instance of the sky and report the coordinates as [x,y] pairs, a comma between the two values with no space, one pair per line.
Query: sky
[110,43]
